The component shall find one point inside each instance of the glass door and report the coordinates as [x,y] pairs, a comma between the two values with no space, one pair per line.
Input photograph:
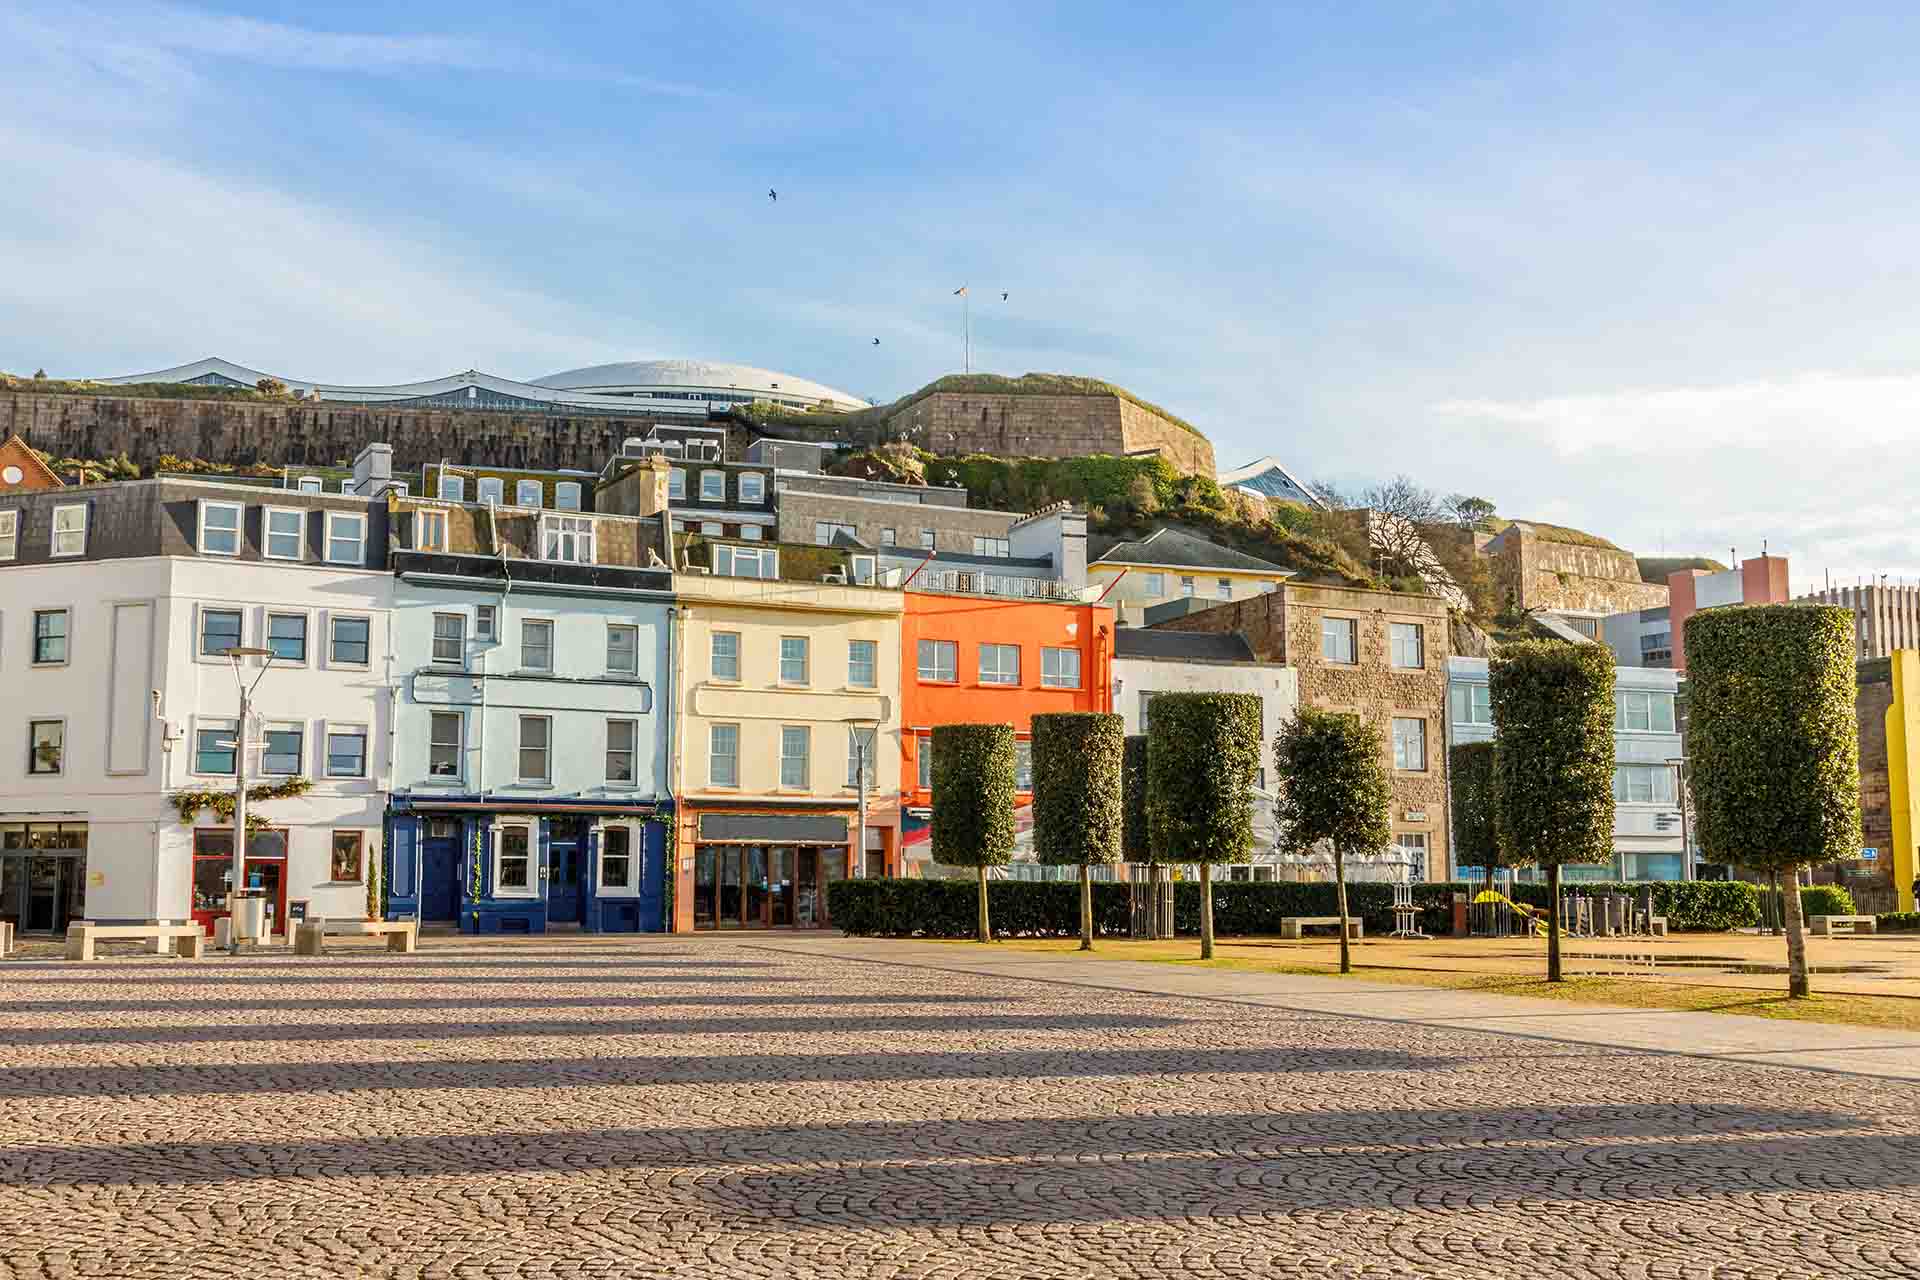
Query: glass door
[759,901]
[781,899]
[806,889]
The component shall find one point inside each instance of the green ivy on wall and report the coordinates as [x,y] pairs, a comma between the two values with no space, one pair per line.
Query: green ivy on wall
[188,804]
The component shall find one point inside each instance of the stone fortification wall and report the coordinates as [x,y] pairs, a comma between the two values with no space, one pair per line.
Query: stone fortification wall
[1043,426]
[302,433]
[1540,573]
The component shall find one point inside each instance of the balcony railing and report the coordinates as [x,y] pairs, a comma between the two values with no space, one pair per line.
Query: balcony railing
[970,582]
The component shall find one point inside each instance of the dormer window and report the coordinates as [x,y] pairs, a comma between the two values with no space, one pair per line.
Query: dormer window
[453,488]
[526,493]
[429,531]
[220,528]
[492,490]
[567,538]
[713,486]
[753,487]
[677,484]
[310,484]
[566,495]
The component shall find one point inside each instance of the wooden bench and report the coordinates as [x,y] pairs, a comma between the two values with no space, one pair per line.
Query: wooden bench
[1290,926]
[188,940]
[400,934]
[1828,926]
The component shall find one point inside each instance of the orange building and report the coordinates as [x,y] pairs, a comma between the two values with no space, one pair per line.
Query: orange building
[982,659]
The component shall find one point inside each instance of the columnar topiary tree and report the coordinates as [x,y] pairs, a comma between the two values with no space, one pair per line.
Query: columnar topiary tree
[973,791]
[1078,816]
[1553,761]
[1333,787]
[1476,835]
[1135,846]
[1203,754]
[1772,746]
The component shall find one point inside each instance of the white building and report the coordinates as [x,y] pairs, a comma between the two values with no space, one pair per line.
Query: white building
[115,602]
[1147,663]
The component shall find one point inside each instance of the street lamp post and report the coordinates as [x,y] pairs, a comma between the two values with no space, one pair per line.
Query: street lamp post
[239,871]
[856,724]
[1679,764]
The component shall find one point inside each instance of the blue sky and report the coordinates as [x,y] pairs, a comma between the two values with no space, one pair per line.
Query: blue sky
[1645,272]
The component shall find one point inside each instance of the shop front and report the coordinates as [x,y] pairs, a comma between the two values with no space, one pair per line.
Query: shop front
[534,867]
[767,870]
[43,875]
[265,871]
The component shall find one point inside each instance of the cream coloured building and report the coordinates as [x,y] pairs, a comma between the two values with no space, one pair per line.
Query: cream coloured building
[1171,568]
[787,678]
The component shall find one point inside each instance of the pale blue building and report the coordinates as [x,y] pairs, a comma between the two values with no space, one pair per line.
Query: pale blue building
[531,682]
[1647,828]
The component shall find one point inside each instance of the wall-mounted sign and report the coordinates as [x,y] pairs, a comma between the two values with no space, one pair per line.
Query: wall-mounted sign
[1416,815]
[1869,855]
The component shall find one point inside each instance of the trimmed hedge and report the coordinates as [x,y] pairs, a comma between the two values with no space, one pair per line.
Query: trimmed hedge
[1476,834]
[1134,845]
[1553,752]
[1078,763]
[1040,909]
[1815,900]
[1898,922]
[973,792]
[1203,753]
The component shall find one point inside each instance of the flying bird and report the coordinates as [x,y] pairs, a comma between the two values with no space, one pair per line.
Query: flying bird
[876,342]
[1003,295]
[773,195]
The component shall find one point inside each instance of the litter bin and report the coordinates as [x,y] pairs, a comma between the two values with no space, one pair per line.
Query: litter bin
[250,916]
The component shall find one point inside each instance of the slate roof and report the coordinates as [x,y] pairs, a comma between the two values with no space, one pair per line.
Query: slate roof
[1181,646]
[1178,550]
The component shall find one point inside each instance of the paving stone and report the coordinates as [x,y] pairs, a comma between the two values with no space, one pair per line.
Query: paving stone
[705,1107]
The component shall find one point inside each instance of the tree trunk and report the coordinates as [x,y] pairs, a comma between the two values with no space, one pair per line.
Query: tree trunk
[1553,922]
[1206,911]
[1340,898]
[1489,877]
[983,929]
[1086,907]
[1775,924]
[1798,987]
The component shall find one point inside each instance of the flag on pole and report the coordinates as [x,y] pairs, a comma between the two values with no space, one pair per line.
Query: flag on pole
[960,292]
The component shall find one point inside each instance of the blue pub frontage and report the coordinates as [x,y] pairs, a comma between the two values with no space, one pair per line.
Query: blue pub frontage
[532,721]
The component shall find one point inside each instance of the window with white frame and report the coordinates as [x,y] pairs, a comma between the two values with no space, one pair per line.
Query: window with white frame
[536,644]
[220,528]
[1339,641]
[1223,589]
[939,660]
[616,858]
[446,744]
[723,755]
[1413,851]
[450,638]
[712,529]
[216,746]
[287,636]
[888,538]
[863,664]
[623,649]
[863,570]
[513,853]
[536,749]
[349,640]
[485,628]
[753,487]
[452,488]
[1023,765]
[429,530]
[219,631]
[926,539]
[9,534]
[1187,587]
[1643,784]
[346,537]
[69,531]
[825,531]
[713,486]
[49,637]
[285,533]
[745,562]
[46,746]
[862,750]
[622,735]
[1642,711]
[311,484]
[1146,709]
[1060,668]
[1472,704]
[1409,645]
[492,491]
[923,747]
[566,495]
[677,483]
[1156,585]
[796,743]
[346,751]
[726,655]
[983,546]
[793,660]
[750,532]
[1000,664]
[284,750]
[528,493]
[1409,743]
[568,539]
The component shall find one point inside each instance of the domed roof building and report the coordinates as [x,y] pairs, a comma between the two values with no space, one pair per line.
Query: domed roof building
[700,379]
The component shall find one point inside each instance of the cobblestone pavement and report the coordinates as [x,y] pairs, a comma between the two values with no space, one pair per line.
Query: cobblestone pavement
[707,1108]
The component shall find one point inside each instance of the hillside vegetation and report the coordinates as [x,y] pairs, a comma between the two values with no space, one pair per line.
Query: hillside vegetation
[1130,497]
[1656,569]
[41,384]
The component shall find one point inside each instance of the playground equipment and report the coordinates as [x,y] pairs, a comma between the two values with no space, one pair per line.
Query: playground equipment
[1494,914]
[1406,916]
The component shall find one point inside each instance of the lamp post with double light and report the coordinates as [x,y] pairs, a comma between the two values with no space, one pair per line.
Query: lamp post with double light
[862,762]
